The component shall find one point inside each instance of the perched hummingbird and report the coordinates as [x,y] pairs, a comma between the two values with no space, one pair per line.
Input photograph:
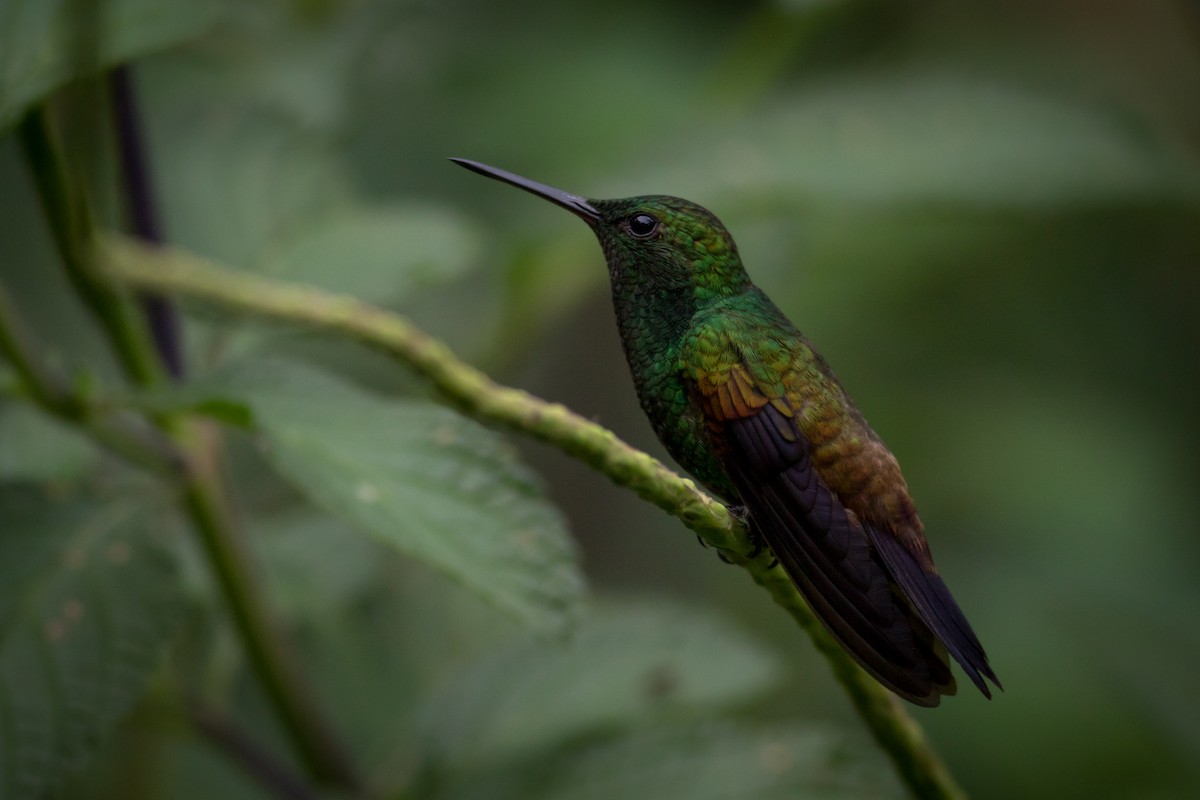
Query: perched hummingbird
[739,397]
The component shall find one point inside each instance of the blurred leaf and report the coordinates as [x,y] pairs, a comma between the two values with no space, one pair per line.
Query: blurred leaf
[382,646]
[35,446]
[44,44]
[1142,632]
[236,179]
[378,254]
[922,136]
[318,564]
[193,769]
[625,662]
[710,762]
[244,142]
[771,39]
[227,411]
[89,597]
[420,478]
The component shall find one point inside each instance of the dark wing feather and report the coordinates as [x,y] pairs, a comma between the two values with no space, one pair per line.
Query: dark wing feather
[827,553]
[933,601]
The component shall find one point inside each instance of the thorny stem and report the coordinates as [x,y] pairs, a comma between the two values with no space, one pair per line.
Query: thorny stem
[472,392]
[202,491]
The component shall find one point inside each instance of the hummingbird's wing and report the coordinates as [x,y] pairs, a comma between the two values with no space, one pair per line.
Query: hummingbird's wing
[821,545]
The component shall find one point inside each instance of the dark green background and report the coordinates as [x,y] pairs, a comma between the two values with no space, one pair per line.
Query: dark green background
[987,220]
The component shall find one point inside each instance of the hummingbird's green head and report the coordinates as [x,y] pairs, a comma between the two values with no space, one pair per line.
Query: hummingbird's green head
[654,242]
[668,243]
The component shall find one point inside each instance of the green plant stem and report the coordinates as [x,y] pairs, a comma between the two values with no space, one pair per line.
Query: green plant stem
[45,386]
[142,447]
[72,229]
[174,272]
[275,664]
[74,234]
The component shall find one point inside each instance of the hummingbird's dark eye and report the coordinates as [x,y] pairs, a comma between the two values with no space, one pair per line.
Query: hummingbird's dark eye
[642,225]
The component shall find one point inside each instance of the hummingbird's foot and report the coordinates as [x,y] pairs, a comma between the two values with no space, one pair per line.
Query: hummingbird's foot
[758,548]
[720,553]
[757,545]
[754,553]
[742,515]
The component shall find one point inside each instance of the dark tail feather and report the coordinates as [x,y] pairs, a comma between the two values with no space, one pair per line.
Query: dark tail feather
[873,625]
[832,563]
[933,601]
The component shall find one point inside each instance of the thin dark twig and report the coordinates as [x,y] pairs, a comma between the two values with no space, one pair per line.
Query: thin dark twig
[264,767]
[143,215]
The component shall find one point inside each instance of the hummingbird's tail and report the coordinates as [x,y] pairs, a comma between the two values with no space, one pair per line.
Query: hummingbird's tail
[829,557]
[936,606]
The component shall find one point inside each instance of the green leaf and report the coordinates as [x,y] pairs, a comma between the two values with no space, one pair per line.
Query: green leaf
[626,662]
[317,565]
[194,398]
[88,598]
[930,136]
[245,156]
[379,254]
[45,44]
[688,762]
[34,446]
[422,479]
[236,180]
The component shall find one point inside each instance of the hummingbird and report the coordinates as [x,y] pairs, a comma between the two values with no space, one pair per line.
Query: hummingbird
[742,401]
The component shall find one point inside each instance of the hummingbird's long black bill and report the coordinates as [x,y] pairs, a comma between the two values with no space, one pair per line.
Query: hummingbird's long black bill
[571,202]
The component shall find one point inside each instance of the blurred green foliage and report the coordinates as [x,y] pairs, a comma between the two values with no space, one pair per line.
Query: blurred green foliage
[987,219]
